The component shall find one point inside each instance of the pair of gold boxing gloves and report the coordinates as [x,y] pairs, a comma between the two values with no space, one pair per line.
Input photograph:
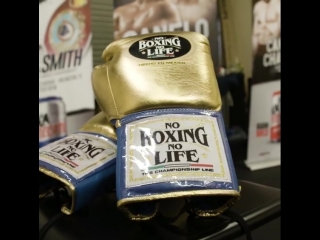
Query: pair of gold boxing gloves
[160,131]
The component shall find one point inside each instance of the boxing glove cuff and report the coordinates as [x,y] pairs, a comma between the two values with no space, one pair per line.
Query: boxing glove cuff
[177,152]
[84,162]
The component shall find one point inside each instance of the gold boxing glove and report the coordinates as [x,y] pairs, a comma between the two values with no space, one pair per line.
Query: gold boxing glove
[161,93]
[81,166]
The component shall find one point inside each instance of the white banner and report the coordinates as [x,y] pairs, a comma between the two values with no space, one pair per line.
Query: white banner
[65,52]
[264,146]
[265,126]
[175,147]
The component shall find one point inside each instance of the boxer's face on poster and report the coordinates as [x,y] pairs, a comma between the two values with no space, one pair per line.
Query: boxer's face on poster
[267,21]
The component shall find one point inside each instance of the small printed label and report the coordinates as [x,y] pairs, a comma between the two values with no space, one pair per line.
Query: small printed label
[275,130]
[52,120]
[78,154]
[160,47]
[173,148]
[262,129]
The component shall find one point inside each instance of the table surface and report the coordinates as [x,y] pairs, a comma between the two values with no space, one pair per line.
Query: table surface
[259,204]
[268,176]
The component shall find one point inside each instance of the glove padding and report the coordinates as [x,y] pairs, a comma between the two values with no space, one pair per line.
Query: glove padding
[161,93]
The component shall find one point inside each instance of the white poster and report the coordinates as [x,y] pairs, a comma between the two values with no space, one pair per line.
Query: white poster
[264,146]
[65,53]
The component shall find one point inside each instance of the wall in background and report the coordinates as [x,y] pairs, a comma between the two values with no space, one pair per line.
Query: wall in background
[102,27]
[236,19]
[242,22]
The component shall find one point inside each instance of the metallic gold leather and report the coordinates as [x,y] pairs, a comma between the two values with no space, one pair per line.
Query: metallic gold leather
[139,217]
[125,84]
[77,3]
[99,124]
[64,209]
[233,194]
[218,211]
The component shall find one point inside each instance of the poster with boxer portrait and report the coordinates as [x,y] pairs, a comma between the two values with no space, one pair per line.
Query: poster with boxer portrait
[135,17]
[264,145]
[65,53]
[266,41]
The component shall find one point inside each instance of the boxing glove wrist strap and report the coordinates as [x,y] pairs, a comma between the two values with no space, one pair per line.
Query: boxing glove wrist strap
[174,153]
[83,162]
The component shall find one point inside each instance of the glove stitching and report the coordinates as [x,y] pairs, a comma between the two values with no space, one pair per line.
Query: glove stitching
[114,101]
[147,113]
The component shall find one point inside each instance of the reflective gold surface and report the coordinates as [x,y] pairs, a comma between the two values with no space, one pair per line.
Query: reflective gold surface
[218,211]
[234,197]
[139,217]
[64,209]
[78,3]
[99,124]
[126,84]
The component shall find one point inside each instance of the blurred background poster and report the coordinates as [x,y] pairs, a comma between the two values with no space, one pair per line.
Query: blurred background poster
[265,115]
[66,97]
[266,44]
[65,53]
[135,17]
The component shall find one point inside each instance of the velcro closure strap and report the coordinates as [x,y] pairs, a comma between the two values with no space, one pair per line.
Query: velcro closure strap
[175,147]
[78,154]
[75,161]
